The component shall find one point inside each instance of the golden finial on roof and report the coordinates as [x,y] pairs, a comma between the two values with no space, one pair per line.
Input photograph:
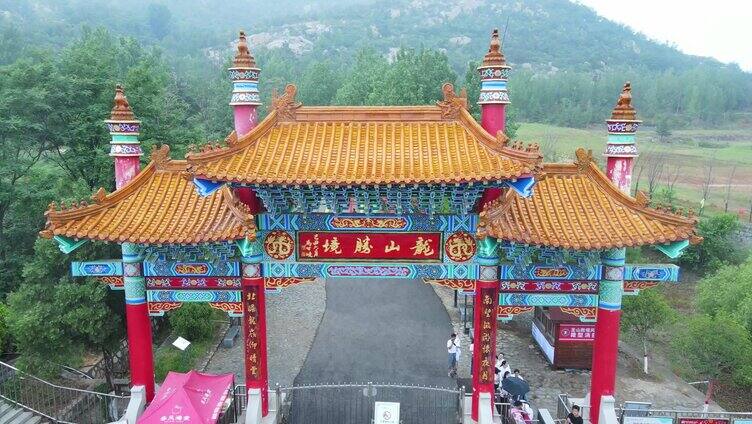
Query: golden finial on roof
[243,57]
[121,111]
[624,109]
[494,57]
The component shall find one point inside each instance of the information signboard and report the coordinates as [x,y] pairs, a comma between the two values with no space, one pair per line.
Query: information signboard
[386,413]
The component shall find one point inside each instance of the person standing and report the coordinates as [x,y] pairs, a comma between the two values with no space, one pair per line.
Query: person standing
[453,346]
[574,416]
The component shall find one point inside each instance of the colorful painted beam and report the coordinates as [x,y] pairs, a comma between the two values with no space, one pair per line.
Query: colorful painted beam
[105,268]
[550,272]
[192,269]
[548,299]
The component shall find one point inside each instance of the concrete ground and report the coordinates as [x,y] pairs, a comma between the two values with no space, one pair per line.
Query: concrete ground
[387,331]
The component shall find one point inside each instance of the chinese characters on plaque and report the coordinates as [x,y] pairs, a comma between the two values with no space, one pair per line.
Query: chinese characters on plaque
[487,335]
[347,246]
[576,333]
[252,337]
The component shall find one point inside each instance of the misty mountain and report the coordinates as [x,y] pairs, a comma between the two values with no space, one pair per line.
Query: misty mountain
[545,35]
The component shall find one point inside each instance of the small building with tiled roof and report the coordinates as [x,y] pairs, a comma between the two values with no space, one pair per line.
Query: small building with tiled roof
[575,206]
[159,206]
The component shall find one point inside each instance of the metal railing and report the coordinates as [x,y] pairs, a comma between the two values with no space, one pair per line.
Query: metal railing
[59,404]
[354,403]
[675,414]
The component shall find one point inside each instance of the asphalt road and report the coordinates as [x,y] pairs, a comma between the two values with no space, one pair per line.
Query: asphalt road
[380,331]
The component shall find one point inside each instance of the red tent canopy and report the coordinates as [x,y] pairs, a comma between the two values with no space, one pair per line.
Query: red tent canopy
[192,397]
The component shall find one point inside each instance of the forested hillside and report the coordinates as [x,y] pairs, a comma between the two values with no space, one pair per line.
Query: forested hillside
[568,62]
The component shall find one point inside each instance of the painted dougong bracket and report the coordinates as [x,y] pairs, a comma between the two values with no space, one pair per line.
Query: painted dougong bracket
[673,250]
[206,187]
[67,244]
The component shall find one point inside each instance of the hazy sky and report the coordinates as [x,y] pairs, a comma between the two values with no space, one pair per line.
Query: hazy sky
[721,29]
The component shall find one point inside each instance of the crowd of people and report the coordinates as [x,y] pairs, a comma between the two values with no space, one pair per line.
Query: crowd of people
[509,386]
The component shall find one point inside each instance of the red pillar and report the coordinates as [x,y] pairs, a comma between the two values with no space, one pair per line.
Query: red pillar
[245,96]
[484,332]
[254,330]
[606,345]
[138,325]
[485,322]
[494,98]
[493,117]
[125,148]
[620,153]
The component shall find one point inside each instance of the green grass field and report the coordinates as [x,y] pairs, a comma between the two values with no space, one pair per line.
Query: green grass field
[686,153]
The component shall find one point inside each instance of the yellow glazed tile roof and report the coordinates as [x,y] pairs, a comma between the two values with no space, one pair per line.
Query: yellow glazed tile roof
[159,206]
[575,206]
[366,145]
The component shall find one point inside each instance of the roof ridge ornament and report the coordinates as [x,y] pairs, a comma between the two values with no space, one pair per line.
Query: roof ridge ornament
[502,138]
[584,158]
[243,57]
[642,198]
[452,104]
[624,109]
[121,110]
[285,104]
[160,155]
[99,196]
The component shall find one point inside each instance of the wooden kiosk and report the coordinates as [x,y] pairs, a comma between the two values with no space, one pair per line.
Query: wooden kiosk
[565,341]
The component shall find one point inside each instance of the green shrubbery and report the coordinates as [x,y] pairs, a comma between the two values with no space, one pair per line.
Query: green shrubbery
[193,321]
[718,247]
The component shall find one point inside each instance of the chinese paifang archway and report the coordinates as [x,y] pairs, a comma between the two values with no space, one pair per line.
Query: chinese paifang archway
[393,192]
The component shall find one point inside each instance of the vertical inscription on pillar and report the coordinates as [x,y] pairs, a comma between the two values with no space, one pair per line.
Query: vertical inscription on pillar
[487,334]
[252,342]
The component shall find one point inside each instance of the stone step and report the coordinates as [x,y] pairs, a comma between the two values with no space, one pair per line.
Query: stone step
[23,418]
[10,415]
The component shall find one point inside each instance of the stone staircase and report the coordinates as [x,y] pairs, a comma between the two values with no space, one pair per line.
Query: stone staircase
[12,414]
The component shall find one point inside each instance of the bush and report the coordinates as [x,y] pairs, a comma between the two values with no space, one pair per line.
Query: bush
[728,292]
[4,335]
[713,348]
[170,358]
[193,321]
[718,247]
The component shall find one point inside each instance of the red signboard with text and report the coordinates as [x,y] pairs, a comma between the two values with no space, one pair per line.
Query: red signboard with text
[576,333]
[703,420]
[315,246]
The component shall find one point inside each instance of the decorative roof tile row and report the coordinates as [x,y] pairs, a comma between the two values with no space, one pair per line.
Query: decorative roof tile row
[159,206]
[366,145]
[575,206]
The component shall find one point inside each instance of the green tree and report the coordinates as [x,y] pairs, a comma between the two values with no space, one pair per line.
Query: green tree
[359,84]
[30,124]
[718,246]
[643,315]
[319,84]
[54,319]
[663,129]
[53,325]
[4,335]
[193,321]
[158,17]
[728,292]
[713,348]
